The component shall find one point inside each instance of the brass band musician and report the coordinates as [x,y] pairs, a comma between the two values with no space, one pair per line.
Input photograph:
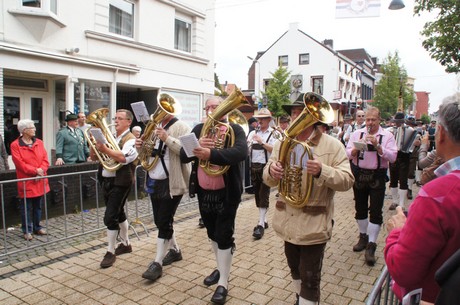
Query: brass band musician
[218,195]
[306,230]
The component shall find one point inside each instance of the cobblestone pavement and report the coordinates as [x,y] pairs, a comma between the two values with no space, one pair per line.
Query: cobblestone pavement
[69,273]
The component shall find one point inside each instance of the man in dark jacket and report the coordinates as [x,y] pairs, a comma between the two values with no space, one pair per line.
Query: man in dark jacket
[218,195]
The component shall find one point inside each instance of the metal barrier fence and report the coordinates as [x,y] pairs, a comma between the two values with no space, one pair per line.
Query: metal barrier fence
[62,222]
[381,293]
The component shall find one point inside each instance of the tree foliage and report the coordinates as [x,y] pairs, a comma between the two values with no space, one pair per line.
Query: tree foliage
[278,91]
[425,118]
[391,87]
[442,35]
[218,89]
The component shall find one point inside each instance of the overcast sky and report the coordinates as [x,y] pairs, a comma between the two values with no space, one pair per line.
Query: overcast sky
[244,27]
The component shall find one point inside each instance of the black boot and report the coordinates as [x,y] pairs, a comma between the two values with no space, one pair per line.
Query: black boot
[409,194]
[362,242]
[369,255]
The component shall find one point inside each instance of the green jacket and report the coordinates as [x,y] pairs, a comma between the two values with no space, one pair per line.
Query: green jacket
[71,147]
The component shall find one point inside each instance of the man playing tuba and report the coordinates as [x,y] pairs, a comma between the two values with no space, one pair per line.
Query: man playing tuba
[167,182]
[116,185]
[218,195]
[305,230]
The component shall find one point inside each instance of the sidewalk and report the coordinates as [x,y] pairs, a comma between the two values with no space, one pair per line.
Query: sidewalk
[259,273]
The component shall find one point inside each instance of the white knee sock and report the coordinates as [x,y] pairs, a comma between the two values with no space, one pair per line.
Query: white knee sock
[296,286]
[124,227]
[402,198]
[262,215]
[303,301]
[111,240]
[173,243]
[215,248]
[394,195]
[161,250]
[410,182]
[224,263]
[373,231]
[362,225]
[418,173]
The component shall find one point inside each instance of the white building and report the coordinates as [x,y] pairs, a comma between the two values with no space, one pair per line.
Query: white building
[314,67]
[59,55]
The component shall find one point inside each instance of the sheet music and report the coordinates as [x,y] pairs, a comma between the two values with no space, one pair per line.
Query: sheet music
[360,145]
[98,135]
[140,111]
[189,143]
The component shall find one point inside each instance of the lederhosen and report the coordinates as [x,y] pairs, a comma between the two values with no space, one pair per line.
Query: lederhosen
[369,186]
[163,205]
[261,190]
[116,190]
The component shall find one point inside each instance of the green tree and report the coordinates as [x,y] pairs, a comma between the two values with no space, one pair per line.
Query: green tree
[391,87]
[425,118]
[278,91]
[442,35]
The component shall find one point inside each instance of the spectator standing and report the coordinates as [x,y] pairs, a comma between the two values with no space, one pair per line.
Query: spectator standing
[357,124]
[82,122]
[31,160]
[136,131]
[3,156]
[418,245]
[71,144]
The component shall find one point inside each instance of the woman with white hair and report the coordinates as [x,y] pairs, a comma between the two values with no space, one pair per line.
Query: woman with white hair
[31,160]
[418,245]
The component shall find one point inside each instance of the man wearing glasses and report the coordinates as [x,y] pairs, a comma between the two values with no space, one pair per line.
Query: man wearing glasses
[117,184]
[359,123]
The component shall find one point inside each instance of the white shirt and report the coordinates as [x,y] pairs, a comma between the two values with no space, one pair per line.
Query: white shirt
[129,150]
[258,155]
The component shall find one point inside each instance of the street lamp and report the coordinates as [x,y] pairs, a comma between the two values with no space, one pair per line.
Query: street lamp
[257,87]
[396,5]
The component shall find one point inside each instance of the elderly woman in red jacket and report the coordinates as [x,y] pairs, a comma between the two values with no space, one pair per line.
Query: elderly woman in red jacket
[31,160]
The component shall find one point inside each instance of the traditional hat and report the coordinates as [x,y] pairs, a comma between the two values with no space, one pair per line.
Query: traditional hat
[399,117]
[71,117]
[284,119]
[411,121]
[263,113]
[297,103]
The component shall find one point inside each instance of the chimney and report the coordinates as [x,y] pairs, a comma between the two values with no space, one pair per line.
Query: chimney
[329,43]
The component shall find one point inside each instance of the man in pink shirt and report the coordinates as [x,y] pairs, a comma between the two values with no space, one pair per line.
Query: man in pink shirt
[370,149]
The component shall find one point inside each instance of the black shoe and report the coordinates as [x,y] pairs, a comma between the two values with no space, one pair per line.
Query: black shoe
[258,232]
[265,225]
[212,279]
[369,255]
[122,249]
[154,272]
[409,194]
[201,223]
[219,295]
[108,260]
[362,242]
[171,257]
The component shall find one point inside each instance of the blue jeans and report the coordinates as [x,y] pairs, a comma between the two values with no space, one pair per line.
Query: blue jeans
[34,214]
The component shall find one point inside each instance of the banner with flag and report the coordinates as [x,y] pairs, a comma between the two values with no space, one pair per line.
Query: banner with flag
[357,8]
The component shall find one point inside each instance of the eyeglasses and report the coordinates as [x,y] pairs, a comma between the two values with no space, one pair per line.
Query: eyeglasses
[30,128]
[118,118]
[210,107]
[360,116]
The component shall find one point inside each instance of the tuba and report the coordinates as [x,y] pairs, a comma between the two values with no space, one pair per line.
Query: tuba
[167,105]
[212,128]
[317,109]
[97,118]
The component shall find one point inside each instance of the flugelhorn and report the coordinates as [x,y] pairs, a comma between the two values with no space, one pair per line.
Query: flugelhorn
[166,105]
[317,109]
[97,118]
[212,128]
